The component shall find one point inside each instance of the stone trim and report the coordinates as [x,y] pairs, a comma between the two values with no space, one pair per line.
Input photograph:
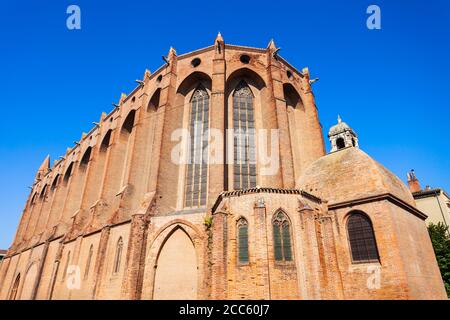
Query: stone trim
[195,52]
[238,193]
[385,196]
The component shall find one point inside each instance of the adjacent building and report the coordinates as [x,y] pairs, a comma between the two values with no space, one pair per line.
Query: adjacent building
[434,202]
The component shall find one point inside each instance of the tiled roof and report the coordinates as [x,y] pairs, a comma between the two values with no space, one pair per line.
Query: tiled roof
[430,192]
[237,193]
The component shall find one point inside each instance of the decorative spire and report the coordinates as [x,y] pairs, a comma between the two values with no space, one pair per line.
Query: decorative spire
[219,37]
[220,45]
[170,56]
[339,119]
[123,96]
[271,45]
[147,74]
[45,166]
[171,53]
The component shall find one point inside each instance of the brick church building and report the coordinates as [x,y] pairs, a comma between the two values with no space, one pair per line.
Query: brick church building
[137,210]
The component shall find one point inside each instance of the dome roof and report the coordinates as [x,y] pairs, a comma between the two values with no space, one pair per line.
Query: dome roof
[340,127]
[351,174]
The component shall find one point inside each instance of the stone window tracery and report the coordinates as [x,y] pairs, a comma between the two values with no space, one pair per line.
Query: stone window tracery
[118,256]
[197,167]
[244,138]
[282,237]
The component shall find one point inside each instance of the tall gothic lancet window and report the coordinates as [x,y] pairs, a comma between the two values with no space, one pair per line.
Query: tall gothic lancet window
[242,227]
[197,168]
[282,237]
[244,138]
[118,257]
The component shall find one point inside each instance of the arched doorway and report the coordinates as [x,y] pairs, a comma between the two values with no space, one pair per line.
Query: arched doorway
[176,269]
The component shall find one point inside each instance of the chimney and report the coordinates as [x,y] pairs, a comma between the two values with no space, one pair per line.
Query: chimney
[413,183]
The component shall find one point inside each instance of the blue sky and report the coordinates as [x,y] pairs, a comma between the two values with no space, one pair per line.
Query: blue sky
[391,85]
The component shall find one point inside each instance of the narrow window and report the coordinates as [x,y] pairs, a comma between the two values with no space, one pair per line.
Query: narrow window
[128,124]
[88,262]
[154,101]
[33,199]
[340,143]
[282,237]
[242,227]
[118,257]
[43,193]
[363,245]
[86,157]
[68,174]
[106,140]
[55,183]
[197,169]
[244,140]
[15,288]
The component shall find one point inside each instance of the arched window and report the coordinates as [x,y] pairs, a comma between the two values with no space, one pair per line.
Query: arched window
[242,230]
[33,199]
[118,257]
[154,101]
[43,192]
[128,124]
[291,96]
[68,174]
[106,140]
[281,237]
[54,183]
[88,262]
[15,288]
[66,266]
[197,168]
[86,157]
[244,138]
[363,245]
[340,143]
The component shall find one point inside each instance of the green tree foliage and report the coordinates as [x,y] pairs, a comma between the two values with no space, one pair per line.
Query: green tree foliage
[440,238]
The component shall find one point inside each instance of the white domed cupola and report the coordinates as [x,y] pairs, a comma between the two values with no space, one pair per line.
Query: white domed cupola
[342,136]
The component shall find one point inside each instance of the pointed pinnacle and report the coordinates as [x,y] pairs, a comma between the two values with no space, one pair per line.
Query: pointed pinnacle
[219,37]
[172,52]
[123,96]
[271,45]
[45,164]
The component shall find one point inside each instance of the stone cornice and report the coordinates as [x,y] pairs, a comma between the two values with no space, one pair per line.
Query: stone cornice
[238,193]
[385,196]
